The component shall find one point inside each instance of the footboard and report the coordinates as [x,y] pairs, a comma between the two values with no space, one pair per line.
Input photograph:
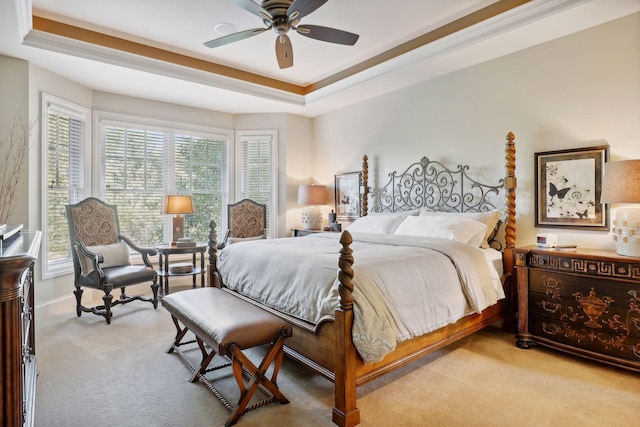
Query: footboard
[326,348]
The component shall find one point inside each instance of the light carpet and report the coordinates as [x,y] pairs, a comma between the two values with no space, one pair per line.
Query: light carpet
[94,374]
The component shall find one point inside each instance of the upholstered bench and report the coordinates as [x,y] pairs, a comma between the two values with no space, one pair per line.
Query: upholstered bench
[228,325]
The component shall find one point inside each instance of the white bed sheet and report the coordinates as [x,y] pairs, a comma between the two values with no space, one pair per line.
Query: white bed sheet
[403,286]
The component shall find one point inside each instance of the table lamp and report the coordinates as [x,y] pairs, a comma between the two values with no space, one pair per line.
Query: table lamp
[178,205]
[621,184]
[311,196]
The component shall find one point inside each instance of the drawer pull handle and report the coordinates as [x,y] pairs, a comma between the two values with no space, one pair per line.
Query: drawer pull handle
[549,306]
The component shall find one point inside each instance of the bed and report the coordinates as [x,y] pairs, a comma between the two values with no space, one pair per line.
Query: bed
[332,341]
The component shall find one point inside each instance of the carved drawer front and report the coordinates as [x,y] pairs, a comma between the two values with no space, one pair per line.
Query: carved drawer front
[601,315]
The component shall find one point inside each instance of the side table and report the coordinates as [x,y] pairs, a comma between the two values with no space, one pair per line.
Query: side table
[166,249]
[299,232]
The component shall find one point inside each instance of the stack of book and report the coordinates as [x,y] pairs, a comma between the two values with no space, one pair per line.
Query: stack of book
[185,242]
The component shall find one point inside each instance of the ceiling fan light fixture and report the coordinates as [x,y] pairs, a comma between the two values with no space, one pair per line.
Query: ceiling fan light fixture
[282,16]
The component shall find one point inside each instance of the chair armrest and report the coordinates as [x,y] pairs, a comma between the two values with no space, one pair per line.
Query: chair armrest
[96,258]
[145,252]
[224,241]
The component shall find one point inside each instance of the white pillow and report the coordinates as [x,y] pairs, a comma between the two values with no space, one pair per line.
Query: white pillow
[410,212]
[115,255]
[442,227]
[490,219]
[381,224]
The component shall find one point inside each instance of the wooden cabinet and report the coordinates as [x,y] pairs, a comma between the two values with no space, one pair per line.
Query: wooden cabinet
[584,302]
[17,337]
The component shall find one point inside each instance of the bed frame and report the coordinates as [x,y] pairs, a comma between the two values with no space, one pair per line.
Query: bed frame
[328,347]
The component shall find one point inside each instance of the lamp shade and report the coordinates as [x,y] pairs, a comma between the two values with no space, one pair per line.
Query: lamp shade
[312,195]
[175,204]
[621,183]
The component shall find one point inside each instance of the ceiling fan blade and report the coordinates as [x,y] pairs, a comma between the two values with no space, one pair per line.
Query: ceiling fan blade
[241,35]
[284,51]
[301,8]
[254,8]
[327,34]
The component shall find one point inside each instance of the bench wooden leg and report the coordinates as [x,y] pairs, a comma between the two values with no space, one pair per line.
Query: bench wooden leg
[275,353]
[181,332]
[206,359]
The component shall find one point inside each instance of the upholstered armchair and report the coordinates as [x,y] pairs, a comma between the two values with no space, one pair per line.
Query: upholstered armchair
[247,221]
[101,257]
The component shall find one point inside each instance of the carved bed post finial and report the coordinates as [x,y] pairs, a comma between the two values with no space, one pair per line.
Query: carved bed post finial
[365,185]
[510,187]
[213,276]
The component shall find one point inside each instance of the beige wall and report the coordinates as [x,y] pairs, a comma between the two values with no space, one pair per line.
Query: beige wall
[577,91]
[14,108]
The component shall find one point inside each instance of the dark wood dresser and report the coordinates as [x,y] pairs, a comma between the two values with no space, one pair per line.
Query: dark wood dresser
[17,338]
[584,302]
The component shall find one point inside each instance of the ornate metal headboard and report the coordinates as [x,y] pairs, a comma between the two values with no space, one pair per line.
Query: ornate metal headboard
[430,184]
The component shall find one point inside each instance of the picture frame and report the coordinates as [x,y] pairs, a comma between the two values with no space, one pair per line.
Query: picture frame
[568,188]
[347,195]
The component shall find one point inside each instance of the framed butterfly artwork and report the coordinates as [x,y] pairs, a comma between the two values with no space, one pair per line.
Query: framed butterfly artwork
[568,187]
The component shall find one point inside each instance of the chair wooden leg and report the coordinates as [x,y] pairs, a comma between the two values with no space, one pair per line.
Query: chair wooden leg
[107,298]
[154,288]
[78,293]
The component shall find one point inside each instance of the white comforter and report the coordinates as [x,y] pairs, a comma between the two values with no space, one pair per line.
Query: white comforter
[403,286]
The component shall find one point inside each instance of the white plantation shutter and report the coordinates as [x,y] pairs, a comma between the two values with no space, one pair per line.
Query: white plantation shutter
[66,144]
[133,180]
[256,170]
[202,170]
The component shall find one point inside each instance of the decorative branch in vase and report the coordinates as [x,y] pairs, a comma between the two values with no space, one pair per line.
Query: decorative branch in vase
[14,149]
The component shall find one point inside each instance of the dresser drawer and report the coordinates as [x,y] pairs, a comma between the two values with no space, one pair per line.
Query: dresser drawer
[584,307]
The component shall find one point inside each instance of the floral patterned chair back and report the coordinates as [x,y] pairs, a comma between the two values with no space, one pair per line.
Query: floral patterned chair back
[247,221]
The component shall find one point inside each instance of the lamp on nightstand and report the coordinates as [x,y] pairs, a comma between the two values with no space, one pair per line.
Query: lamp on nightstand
[621,184]
[311,196]
[178,205]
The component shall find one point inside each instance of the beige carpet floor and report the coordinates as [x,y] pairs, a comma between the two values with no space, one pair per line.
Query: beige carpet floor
[93,374]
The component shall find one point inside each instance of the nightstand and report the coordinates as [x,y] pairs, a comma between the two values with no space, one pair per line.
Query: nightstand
[299,232]
[164,272]
[584,302]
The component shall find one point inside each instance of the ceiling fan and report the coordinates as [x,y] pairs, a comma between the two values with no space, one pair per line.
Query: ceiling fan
[282,16]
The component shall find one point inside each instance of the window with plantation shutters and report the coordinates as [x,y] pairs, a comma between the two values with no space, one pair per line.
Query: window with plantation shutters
[134,162]
[144,160]
[66,144]
[256,160]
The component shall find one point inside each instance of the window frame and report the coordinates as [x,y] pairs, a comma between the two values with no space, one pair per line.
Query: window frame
[258,134]
[152,124]
[51,103]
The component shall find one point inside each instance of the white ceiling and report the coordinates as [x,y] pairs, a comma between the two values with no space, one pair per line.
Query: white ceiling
[183,26]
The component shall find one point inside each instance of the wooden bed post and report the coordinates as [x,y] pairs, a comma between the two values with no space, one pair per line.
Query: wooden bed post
[365,185]
[213,277]
[509,323]
[345,412]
